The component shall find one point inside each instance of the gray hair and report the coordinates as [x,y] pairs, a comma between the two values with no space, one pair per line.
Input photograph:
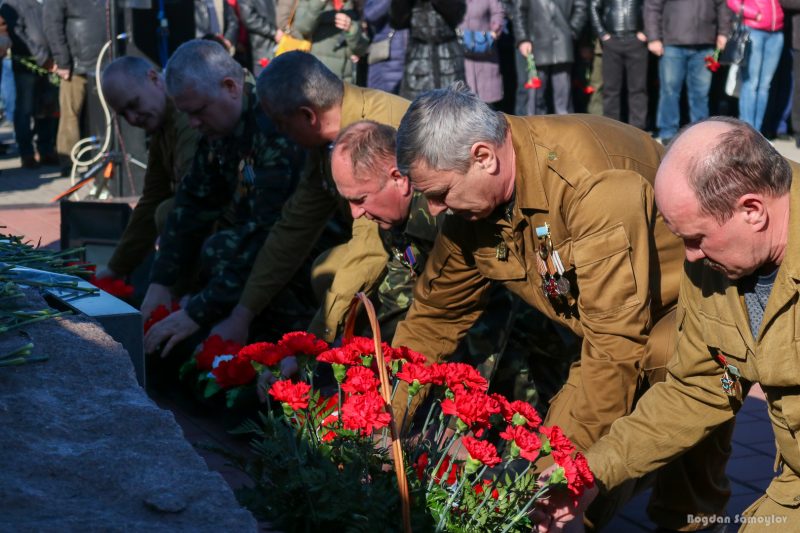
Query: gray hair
[742,162]
[296,79]
[440,127]
[202,65]
[130,68]
[369,144]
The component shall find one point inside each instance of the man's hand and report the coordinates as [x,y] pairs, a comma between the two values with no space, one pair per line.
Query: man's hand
[172,330]
[656,48]
[558,513]
[236,327]
[278,35]
[641,36]
[63,73]
[525,48]
[722,40]
[343,21]
[156,295]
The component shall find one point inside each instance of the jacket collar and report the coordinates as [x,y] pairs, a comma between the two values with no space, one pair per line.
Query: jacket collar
[353,105]
[528,187]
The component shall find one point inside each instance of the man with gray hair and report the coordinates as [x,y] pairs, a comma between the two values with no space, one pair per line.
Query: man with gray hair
[240,177]
[311,105]
[559,209]
[735,203]
[136,91]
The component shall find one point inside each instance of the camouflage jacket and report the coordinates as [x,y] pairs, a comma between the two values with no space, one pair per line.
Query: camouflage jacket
[408,249]
[241,182]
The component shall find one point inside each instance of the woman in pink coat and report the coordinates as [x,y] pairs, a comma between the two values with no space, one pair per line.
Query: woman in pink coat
[483,70]
[764,18]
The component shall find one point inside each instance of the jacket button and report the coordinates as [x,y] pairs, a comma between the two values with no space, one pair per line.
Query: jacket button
[552,156]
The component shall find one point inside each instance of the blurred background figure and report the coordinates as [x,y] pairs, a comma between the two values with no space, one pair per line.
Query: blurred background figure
[434,57]
[217,18]
[385,74]
[258,16]
[482,68]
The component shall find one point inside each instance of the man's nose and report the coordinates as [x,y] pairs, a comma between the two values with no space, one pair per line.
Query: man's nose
[356,211]
[694,254]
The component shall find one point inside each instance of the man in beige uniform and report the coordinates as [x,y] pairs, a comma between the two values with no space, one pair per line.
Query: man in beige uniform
[135,90]
[733,200]
[560,210]
[311,105]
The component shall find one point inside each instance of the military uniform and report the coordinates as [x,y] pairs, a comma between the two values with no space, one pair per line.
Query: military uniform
[716,350]
[584,184]
[238,183]
[172,150]
[305,214]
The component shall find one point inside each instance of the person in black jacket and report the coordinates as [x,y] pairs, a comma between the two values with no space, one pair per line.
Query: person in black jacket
[37,98]
[434,57]
[619,24]
[76,31]
[258,16]
[547,29]
[223,24]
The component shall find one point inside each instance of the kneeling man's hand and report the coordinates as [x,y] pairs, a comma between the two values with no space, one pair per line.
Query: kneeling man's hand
[173,329]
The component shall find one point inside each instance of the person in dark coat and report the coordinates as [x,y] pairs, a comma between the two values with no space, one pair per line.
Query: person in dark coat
[385,75]
[259,18]
[547,29]
[37,98]
[76,30]
[226,25]
[434,57]
[792,9]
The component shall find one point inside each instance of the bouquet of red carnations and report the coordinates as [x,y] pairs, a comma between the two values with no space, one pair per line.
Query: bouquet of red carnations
[330,456]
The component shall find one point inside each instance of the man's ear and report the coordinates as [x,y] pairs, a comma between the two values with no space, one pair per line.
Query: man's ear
[308,114]
[484,154]
[401,182]
[751,206]
[232,87]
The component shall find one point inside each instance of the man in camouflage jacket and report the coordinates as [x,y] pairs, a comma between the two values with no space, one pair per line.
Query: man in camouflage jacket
[224,208]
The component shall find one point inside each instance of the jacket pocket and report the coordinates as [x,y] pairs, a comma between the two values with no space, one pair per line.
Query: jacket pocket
[605,273]
[493,268]
[724,337]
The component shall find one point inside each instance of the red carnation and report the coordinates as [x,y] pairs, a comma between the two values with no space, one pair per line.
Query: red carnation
[560,444]
[365,412]
[159,313]
[459,375]
[415,371]
[360,380]
[588,90]
[263,62]
[505,406]
[340,356]
[479,489]
[533,83]
[527,414]
[527,442]
[302,343]
[421,465]
[407,354]
[211,348]
[295,395]
[113,286]
[473,408]
[266,353]
[237,371]
[481,450]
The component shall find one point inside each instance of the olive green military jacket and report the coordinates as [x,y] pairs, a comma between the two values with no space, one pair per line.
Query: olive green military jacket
[305,214]
[589,178]
[712,322]
[406,250]
[172,149]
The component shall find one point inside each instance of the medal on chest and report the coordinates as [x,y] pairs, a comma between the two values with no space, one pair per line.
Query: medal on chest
[554,285]
[731,378]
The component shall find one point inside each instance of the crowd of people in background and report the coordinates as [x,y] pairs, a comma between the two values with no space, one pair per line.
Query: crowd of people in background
[631,60]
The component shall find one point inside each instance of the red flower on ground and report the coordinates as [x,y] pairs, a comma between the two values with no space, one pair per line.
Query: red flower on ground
[415,371]
[266,353]
[527,414]
[559,442]
[341,356]
[211,348]
[296,395]
[237,371]
[481,450]
[458,376]
[360,380]
[528,443]
[113,286]
[365,413]
[302,343]
[473,408]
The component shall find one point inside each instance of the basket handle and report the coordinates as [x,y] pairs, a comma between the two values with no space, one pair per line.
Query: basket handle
[397,449]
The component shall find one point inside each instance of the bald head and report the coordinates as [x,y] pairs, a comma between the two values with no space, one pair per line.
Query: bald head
[717,161]
[135,90]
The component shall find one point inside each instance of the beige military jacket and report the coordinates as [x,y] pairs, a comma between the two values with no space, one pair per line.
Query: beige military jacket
[590,179]
[304,216]
[712,321]
[172,150]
